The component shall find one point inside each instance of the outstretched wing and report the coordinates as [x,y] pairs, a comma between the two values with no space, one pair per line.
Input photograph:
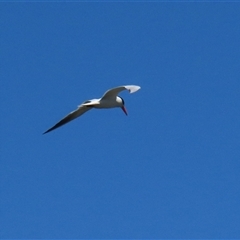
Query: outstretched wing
[72,115]
[114,91]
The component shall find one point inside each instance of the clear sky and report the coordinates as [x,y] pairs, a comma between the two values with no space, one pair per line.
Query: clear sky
[170,169]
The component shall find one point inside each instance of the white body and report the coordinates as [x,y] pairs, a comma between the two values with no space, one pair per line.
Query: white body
[105,103]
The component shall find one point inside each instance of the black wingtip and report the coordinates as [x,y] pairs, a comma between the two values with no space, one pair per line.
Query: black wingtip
[47,131]
[52,128]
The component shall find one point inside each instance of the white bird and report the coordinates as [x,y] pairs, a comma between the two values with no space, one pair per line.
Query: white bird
[108,100]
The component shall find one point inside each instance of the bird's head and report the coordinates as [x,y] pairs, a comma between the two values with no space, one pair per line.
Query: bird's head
[123,106]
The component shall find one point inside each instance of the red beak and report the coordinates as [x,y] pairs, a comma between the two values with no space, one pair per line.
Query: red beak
[124,109]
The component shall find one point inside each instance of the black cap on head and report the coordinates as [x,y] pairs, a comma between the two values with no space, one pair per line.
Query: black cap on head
[122,100]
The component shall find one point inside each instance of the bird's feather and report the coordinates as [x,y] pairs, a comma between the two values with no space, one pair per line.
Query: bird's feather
[111,93]
[72,115]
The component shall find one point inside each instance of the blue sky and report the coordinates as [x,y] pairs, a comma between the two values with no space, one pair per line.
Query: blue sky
[170,169]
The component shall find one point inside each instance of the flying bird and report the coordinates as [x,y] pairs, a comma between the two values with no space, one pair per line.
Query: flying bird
[110,99]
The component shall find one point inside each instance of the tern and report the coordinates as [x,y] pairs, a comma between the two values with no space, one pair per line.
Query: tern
[110,99]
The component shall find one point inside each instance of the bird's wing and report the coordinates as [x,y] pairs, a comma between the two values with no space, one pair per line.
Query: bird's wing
[114,91]
[72,115]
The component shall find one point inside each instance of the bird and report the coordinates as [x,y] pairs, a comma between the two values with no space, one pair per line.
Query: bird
[110,99]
